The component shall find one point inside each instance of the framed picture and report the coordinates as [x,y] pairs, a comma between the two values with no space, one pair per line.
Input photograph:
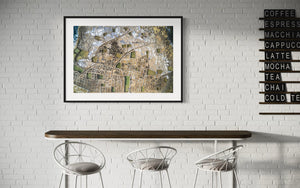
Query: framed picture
[123,59]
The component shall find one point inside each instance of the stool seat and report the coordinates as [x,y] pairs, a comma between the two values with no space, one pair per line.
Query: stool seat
[152,164]
[215,165]
[84,168]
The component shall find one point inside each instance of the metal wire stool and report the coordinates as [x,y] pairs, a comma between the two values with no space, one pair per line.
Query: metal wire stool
[155,159]
[222,161]
[79,159]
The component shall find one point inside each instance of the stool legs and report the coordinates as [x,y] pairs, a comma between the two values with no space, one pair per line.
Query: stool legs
[236,178]
[169,178]
[76,181]
[141,179]
[196,177]
[212,180]
[220,176]
[86,181]
[62,174]
[101,180]
[216,174]
[133,178]
[161,183]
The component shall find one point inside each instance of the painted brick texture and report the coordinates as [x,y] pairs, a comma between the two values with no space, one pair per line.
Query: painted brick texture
[221,92]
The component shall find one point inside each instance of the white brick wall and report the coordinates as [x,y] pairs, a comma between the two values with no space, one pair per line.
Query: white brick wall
[220,92]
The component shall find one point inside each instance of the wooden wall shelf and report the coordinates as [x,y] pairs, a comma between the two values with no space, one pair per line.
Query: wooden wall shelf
[146,135]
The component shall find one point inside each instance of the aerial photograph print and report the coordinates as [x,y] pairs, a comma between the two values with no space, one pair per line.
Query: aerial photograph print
[123,59]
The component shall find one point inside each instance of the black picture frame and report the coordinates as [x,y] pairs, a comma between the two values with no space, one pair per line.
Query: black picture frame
[180,91]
